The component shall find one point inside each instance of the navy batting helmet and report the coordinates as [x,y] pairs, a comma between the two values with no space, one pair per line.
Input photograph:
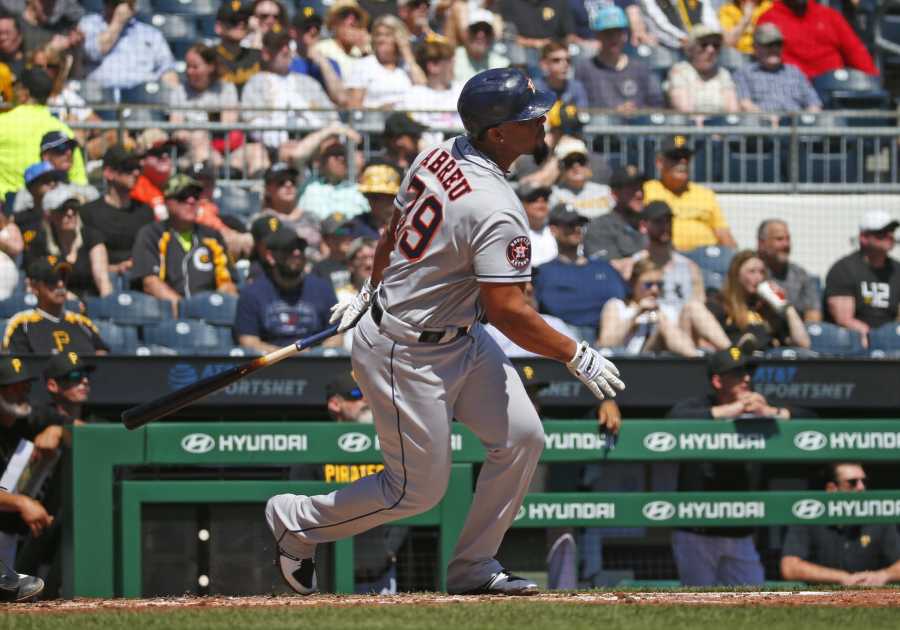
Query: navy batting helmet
[500,95]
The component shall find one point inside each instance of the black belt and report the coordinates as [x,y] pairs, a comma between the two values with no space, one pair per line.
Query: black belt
[427,336]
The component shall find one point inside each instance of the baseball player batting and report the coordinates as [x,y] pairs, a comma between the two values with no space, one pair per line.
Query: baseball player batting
[456,254]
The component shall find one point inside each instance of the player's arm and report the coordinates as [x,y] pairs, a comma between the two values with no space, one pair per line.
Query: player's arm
[508,310]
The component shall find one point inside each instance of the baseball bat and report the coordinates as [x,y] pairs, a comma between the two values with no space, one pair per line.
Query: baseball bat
[162,406]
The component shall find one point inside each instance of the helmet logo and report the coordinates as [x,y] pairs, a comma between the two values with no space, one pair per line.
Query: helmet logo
[531,86]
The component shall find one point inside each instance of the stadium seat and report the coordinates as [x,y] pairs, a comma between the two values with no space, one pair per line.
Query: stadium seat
[887,35]
[712,258]
[238,200]
[213,308]
[659,58]
[828,338]
[130,308]
[847,88]
[92,6]
[153,350]
[186,336]
[190,7]
[885,338]
[120,339]
[176,27]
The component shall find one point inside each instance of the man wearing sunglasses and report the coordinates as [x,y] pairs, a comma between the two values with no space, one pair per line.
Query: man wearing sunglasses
[862,289]
[850,555]
[155,149]
[575,186]
[178,257]
[59,150]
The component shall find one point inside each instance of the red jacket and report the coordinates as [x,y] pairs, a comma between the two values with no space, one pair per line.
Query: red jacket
[819,41]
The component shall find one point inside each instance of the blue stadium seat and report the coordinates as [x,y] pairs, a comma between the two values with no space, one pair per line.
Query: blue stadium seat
[176,27]
[129,308]
[712,258]
[847,88]
[238,200]
[17,302]
[192,7]
[885,338]
[213,308]
[120,339]
[153,350]
[828,338]
[659,58]
[186,336]
[92,6]
[206,26]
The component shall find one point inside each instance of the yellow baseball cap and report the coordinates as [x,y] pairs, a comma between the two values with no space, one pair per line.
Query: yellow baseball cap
[380,178]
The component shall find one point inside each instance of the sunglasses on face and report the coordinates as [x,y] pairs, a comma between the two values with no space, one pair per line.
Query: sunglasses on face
[73,377]
[236,22]
[128,168]
[60,150]
[855,481]
[266,16]
[159,154]
[286,182]
[66,209]
[579,160]
[190,194]
[710,43]
[650,284]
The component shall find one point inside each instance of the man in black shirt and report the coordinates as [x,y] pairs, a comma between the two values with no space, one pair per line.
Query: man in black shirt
[616,236]
[852,555]
[708,556]
[232,26]
[50,327]
[862,290]
[116,215]
[537,22]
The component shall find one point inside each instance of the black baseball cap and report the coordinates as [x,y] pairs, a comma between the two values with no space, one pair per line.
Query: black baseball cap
[729,360]
[284,239]
[306,18]
[336,224]
[57,140]
[565,214]
[65,363]
[529,191]
[14,370]
[118,158]
[264,226]
[532,380]
[233,11]
[627,176]
[402,124]
[656,210]
[48,269]
[279,171]
[675,147]
[344,385]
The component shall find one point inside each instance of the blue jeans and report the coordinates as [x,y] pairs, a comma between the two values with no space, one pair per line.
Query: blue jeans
[716,560]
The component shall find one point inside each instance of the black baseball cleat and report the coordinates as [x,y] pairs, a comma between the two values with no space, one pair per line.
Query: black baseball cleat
[502,583]
[299,573]
[18,587]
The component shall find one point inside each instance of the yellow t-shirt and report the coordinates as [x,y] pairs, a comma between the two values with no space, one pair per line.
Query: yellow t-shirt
[695,214]
[730,16]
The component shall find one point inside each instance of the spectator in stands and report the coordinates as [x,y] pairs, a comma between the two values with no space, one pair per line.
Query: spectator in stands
[19,513]
[280,201]
[177,257]
[332,189]
[721,556]
[862,289]
[672,24]
[612,78]
[402,137]
[641,324]
[738,19]
[536,201]
[555,64]
[347,22]
[232,228]
[773,246]
[573,287]
[360,258]
[700,84]
[22,128]
[476,52]
[414,14]
[239,62]
[770,85]
[155,149]
[12,49]
[380,183]
[754,305]
[382,79]
[337,237]
[266,16]
[583,15]
[439,94]
[204,90]
[306,30]
[57,149]
[698,219]
[11,245]
[849,555]
[537,23]
[63,235]
[616,236]
[50,24]
[123,52]
[284,304]
[51,327]
[40,179]
[817,39]
[260,229]
[683,297]
[117,216]
[574,186]
[276,87]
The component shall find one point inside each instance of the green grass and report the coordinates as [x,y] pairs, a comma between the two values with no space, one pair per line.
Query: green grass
[515,615]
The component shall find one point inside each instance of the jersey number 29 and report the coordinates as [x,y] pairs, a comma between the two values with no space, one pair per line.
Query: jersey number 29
[421,219]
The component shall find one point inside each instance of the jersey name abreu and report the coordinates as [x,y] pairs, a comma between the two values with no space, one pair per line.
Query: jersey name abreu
[447,172]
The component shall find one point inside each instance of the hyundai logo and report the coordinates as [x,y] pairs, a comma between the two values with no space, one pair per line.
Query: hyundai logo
[521,513]
[198,443]
[808,509]
[810,441]
[659,442]
[659,510]
[354,442]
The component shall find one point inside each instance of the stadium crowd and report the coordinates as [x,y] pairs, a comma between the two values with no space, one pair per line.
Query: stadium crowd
[129,242]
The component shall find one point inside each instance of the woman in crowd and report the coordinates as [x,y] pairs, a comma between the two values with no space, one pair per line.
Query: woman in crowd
[62,234]
[436,100]
[738,19]
[265,16]
[700,84]
[382,79]
[752,304]
[641,324]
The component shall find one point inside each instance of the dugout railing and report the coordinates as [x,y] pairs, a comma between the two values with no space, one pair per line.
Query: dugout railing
[102,550]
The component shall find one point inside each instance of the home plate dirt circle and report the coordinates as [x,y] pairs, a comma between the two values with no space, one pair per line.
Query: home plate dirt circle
[864,598]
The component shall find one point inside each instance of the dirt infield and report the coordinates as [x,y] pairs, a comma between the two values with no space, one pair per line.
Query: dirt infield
[868,598]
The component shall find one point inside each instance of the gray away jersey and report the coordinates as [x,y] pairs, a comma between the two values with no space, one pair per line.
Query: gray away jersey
[462,224]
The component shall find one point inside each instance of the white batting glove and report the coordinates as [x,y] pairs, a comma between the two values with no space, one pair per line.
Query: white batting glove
[348,313]
[773,295]
[597,373]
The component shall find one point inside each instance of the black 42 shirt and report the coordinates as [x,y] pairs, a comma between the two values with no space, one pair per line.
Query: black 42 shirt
[876,291]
